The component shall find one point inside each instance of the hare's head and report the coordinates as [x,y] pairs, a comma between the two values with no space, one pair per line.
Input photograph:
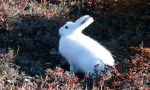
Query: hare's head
[77,26]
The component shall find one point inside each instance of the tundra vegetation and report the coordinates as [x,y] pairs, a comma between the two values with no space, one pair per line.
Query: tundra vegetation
[29,37]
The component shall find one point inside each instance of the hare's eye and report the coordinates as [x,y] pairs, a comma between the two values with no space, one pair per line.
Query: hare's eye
[66,27]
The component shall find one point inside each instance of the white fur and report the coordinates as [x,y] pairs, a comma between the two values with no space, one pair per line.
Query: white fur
[82,52]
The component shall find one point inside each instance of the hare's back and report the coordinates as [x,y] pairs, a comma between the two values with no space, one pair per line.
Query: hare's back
[95,49]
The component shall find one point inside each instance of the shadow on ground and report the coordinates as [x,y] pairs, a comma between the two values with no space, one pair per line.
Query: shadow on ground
[34,40]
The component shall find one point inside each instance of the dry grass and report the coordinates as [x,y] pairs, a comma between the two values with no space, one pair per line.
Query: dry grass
[29,37]
[133,74]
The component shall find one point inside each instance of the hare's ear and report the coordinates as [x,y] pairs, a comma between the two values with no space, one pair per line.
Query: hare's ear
[83,22]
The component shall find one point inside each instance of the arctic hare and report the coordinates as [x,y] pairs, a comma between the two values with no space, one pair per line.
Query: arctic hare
[81,51]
